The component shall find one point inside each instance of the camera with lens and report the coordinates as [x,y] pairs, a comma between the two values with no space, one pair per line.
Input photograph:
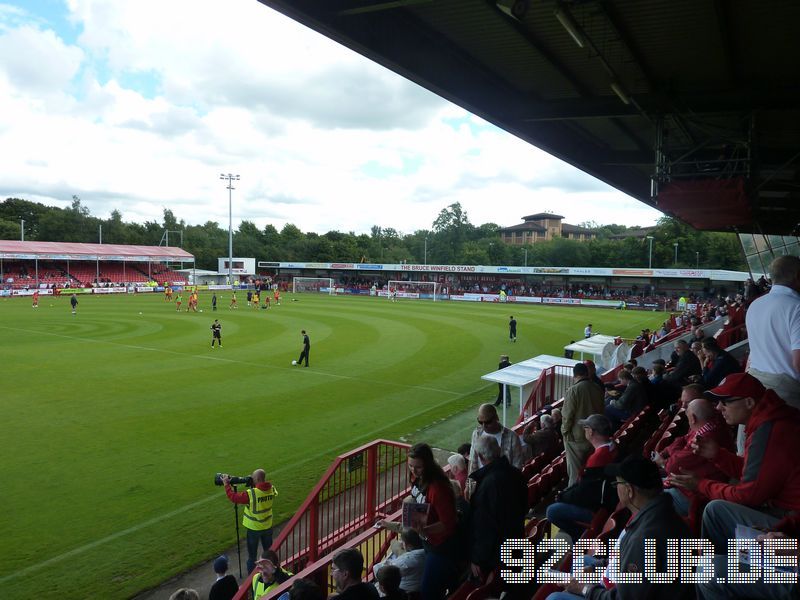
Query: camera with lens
[248,481]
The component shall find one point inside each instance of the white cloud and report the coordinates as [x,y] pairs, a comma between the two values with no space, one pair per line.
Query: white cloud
[321,136]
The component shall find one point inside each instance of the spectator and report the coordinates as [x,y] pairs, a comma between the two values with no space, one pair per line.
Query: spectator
[269,574]
[489,424]
[652,518]
[346,573]
[497,506]
[545,440]
[698,335]
[788,527]
[225,587]
[773,327]
[305,589]
[429,485]
[679,456]
[631,401]
[388,578]
[689,393]
[582,399]
[504,364]
[578,503]
[593,373]
[720,364]
[458,471]
[411,561]
[768,475]
[464,450]
[185,594]
[656,374]
[556,414]
[686,366]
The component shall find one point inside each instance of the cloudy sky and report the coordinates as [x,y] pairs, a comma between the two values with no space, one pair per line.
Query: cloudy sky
[140,105]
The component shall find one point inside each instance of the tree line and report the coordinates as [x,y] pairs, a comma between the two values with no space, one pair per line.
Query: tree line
[451,239]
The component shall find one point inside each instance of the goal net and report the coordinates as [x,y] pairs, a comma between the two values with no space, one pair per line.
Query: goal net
[417,290]
[317,285]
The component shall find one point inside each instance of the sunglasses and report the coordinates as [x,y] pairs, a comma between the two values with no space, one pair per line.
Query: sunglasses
[727,401]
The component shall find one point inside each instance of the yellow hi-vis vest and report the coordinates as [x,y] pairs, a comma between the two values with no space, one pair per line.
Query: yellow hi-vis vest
[258,512]
[260,587]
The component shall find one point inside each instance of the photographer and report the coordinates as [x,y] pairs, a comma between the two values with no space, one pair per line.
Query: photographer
[257,518]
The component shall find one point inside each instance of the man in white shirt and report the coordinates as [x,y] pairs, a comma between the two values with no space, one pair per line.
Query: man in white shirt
[773,327]
[411,562]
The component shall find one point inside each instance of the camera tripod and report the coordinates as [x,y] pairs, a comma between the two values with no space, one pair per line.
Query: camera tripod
[238,541]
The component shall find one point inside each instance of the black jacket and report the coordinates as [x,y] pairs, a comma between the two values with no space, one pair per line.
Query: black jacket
[497,511]
[688,364]
[724,364]
[592,491]
[656,520]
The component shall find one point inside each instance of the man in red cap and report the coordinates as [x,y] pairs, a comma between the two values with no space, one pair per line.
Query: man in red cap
[768,474]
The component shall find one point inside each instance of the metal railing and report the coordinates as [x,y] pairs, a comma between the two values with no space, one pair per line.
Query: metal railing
[360,487]
[550,387]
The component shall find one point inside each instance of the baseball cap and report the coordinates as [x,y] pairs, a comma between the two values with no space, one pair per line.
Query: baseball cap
[599,423]
[638,471]
[221,564]
[737,385]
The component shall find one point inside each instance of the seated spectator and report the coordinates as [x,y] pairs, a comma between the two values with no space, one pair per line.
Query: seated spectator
[578,503]
[544,440]
[497,506]
[463,450]
[629,402]
[458,471]
[269,574]
[305,589]
[768,475]
[788,527]
[408,556]
[656,373]
[639,375]
[698,335]
[225,587]
[185,594]
[639,489]
[679,456]
[388,578]
[720,364]
[687,365]
[556,414]
[346,573]
[688,393]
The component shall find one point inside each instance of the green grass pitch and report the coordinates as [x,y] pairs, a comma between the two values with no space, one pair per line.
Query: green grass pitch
[115,422]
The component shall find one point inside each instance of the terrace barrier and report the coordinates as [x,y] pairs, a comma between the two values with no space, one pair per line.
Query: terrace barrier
[550,387]
[361,486]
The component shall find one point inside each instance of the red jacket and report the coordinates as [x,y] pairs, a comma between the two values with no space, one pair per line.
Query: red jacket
[769,472]
[243,497]
[679,454]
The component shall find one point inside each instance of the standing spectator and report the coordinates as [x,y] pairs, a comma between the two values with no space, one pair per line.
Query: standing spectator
[582,399]
[257,517]
[679,456]
[458,470]
[346,572]
[497,507]
[225,587]
[489,424]
[773,329]
[306,349]
[512,329]
[504,363]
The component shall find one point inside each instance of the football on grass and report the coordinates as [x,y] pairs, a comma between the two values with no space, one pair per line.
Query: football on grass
[294,362]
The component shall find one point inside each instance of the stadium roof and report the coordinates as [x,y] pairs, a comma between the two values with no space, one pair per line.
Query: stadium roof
[699,98]
[75,251]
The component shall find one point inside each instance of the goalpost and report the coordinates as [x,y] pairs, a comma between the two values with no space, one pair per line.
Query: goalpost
[418,290]
[320,285]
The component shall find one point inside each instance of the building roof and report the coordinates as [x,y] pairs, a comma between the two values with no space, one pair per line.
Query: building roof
[566,227]
[639,232]
[540,216]
[529,226]
[78,251]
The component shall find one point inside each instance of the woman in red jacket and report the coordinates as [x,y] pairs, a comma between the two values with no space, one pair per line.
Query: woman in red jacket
[430,485]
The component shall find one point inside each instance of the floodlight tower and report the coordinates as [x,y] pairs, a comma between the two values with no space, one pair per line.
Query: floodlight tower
[230,179]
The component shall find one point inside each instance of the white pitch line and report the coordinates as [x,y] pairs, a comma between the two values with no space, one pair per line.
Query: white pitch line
[238,362]
[183,509]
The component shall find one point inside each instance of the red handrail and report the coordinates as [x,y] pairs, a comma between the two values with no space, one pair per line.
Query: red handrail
[551,386]
[360,486]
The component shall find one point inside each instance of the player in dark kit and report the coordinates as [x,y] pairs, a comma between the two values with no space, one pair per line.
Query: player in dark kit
[73,301]
[216,333]
[306,349]
[512,329]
